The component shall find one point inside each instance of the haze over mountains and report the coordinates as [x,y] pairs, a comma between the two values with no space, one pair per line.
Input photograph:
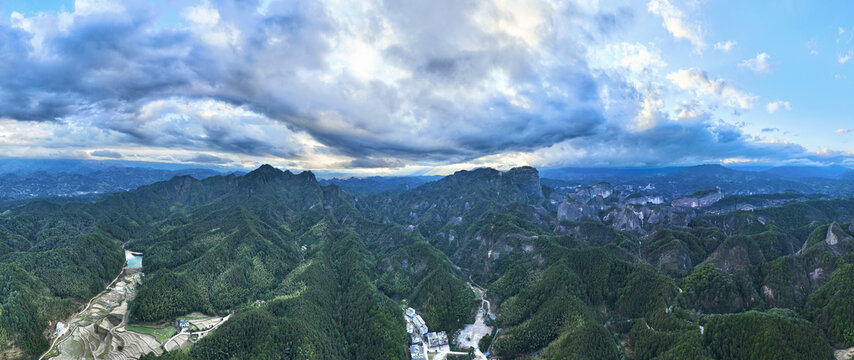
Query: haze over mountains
[41,178]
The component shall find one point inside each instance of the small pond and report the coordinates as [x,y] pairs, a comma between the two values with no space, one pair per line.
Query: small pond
[133,261]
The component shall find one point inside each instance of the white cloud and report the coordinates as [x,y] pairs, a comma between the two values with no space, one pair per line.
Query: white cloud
[688,110]
[812,47]
[759,65]
[698,81]
[636,58]
[725,46]
[86,7]
[773,106]
[844,131]
[677,23]
[202,14]
[842,59]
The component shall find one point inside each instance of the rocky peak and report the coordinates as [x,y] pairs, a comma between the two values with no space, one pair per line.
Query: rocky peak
[307,175]
[698,199]
[265,172]
[527,179]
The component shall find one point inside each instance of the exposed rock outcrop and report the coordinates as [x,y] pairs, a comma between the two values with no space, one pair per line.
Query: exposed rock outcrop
[835,234]
[831,238]
[574,211]
[638,199]
[699,199]
[601,190]
[527,179]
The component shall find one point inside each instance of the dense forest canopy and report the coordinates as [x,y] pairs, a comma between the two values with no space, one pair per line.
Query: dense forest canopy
[311,271]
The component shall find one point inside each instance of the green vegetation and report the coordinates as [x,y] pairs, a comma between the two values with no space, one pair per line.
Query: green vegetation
[446,301]
[831,307]
[162,333]
[712,290]
[776,334]
[310,271]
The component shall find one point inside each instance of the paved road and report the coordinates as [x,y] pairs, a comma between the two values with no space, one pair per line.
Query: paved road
[201,333]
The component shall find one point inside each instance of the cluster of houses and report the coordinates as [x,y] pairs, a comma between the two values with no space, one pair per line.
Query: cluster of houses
[182,325]
[416,328]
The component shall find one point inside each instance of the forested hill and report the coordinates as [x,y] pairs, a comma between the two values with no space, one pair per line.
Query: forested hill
[331,269]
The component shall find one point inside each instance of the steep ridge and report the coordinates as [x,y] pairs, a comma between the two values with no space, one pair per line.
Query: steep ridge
[315,272]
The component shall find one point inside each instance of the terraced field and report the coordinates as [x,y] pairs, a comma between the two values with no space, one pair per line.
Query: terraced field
[101,330]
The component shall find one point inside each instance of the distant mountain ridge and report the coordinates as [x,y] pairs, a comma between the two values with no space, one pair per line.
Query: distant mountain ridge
[18,182]
[674,182]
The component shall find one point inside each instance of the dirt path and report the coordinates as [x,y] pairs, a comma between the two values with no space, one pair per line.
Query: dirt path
[69,321]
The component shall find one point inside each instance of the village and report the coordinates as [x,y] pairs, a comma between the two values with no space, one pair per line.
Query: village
[427,345]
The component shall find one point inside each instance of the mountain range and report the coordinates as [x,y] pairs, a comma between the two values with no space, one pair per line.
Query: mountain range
[312,270]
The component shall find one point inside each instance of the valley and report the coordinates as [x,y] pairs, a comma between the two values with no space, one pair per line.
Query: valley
[274,263]
[103,330]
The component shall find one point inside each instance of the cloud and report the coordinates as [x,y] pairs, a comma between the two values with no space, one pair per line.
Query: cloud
[700,83]
[844,131]
[770,129]
[773,106]
[759,65]
[688,110]
[359,84]
[674,143]
[812,47]
[207,159]
[636,58]
[416,81]
[374,163]
[725,46]
[844,58]
[677,23]
[106,154]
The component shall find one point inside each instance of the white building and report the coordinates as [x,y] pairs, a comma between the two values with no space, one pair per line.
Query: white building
[420,326]
[60,329]
[436,339]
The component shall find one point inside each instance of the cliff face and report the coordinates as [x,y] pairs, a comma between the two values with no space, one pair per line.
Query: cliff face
[835,234]
[699,199]
[645,199]
[575,211]
[601,190]
[527,179]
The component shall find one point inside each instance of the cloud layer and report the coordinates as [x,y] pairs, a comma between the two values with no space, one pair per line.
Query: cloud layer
[364,84]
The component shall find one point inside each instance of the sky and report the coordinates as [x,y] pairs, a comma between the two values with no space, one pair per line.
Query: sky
[428,87]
